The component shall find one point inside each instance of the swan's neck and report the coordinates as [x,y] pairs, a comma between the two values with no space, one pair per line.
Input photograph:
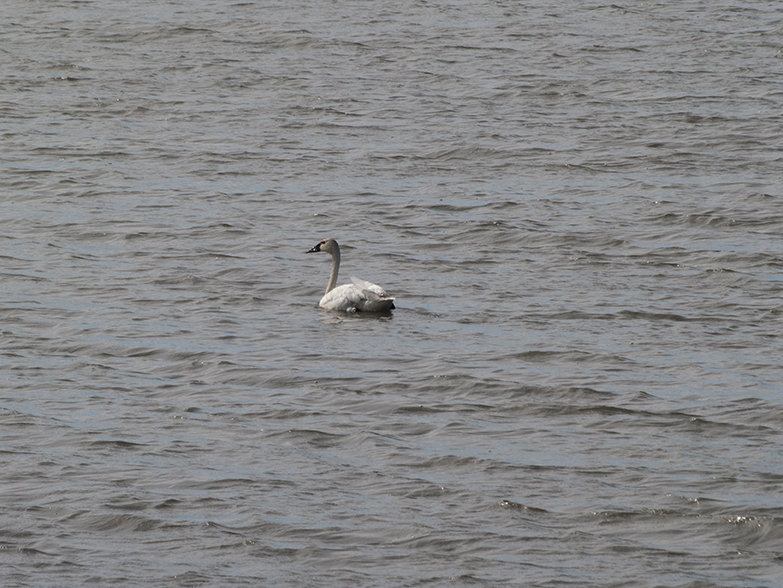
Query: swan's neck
[335,270]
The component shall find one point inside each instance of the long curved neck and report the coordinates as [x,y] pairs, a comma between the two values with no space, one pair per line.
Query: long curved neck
[335,270]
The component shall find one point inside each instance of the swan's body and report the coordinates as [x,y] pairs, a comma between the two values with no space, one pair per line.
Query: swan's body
[359,296]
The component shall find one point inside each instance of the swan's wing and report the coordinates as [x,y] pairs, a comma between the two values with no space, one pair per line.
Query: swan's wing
[352,298]
[376,298]
[374,288]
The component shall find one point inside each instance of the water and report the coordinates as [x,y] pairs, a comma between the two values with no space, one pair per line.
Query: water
[578,207]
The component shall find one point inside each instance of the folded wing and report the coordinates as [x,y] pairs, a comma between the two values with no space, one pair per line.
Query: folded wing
[360,296]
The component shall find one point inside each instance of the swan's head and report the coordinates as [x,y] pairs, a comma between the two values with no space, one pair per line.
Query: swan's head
[328,245]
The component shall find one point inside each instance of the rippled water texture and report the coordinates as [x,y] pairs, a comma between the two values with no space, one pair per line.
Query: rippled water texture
[577,205]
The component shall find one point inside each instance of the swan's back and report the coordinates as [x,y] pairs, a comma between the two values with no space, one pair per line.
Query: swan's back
[375,288]
[360,296]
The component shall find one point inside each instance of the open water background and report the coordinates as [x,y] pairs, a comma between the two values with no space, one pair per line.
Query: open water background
[577,204]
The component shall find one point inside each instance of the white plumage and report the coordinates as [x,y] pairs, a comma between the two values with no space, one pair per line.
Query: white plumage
[359,296]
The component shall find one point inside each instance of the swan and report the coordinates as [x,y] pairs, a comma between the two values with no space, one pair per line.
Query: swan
[359,296]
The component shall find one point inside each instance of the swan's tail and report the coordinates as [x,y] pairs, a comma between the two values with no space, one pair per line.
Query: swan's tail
[378,304]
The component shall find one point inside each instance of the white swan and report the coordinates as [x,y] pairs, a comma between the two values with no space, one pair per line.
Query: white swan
[360,296]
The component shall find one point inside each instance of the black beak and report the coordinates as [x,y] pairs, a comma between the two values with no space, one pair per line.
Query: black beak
[315,249]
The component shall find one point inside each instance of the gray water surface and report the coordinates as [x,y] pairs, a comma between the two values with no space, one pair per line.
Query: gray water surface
[577,205]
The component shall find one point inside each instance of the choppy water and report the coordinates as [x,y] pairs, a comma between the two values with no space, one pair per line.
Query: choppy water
[577,205]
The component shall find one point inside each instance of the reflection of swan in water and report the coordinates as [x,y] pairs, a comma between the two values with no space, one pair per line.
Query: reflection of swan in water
[360,296]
